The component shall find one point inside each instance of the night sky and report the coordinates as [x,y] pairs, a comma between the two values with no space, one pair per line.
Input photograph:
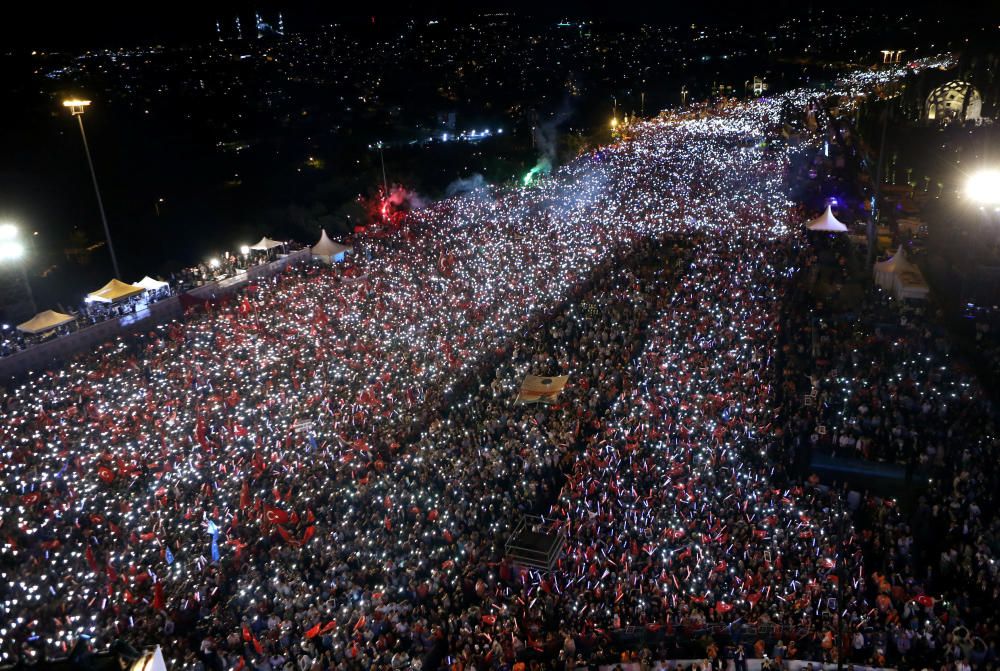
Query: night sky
[59,24]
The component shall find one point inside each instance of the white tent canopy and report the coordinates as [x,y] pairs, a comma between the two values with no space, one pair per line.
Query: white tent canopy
[266,243]
[114,290]
[329,250]
[147,283]
[150,661]
[45,321]
[827,222]
[884,271]
[901,277]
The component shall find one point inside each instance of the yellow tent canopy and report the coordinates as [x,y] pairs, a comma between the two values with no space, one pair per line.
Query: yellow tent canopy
[115,290]
[45,321]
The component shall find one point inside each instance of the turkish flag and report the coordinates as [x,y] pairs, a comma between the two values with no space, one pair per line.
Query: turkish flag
[158,601]
[313,632]
[275,515]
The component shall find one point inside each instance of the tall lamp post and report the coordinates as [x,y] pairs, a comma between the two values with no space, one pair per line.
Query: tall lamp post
[77,108]
[385,182]
[11,250]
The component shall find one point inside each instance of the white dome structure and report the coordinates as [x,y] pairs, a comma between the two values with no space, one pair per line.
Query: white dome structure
[948,103]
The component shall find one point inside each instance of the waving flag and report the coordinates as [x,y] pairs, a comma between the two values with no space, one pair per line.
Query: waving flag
[214,531]
[275,515]
[535,389]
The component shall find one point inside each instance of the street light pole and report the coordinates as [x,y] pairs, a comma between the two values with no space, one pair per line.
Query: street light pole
[385,182]
[77,108]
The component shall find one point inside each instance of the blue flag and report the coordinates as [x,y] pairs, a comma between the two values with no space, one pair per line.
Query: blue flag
[214,530]
[170,557]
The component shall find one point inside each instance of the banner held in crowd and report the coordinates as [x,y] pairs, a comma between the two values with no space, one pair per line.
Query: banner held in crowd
[536,389]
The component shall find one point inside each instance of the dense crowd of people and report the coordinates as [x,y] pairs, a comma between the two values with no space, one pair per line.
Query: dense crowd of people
[322,472]
[883,383]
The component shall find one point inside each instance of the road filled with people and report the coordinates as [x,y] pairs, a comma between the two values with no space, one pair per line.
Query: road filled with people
[880,382]
[322,472]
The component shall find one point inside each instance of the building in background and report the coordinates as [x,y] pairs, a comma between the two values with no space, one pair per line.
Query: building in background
[954,101]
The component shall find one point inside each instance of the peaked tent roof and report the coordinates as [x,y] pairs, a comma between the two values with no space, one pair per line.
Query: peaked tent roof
[266,243]
[149,284]
[113,291]
[827,222]
[45,321]
[327,247]
[151,660]
[901,276]
[889,265]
